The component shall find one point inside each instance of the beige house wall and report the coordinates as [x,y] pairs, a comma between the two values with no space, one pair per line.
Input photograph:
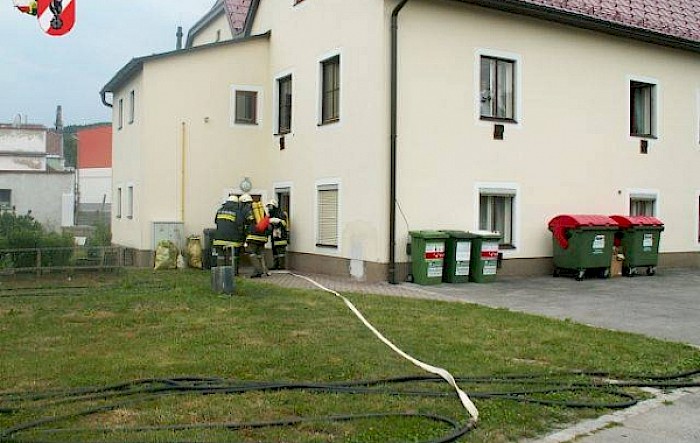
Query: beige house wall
[217,30]
[127,164]
[184,111]
[353,152]
[570,151]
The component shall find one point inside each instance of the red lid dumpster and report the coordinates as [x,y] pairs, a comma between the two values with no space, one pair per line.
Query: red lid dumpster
[639,237]
[582,243]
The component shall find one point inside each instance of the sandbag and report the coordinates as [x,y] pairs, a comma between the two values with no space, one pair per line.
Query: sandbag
[194,252]
[166,255]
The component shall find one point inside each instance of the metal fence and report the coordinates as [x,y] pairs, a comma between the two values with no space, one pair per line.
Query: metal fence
[52,259]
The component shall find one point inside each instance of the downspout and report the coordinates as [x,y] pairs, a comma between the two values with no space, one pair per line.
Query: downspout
[393,113]
[183,176]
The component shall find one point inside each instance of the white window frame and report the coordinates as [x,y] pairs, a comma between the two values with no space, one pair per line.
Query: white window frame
[518,117]
[328,182]
[130,201]
[120,114]
[289,186]
[132,106]
[258,106]
[643,194]
[118,199]
[504,189]
[276,100]
[656,107]
[319,89]
[9,204]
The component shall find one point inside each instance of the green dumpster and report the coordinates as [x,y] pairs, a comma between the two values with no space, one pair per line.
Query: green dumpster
[427,256]
[484,256]
[639,237]
[582,243]
[457,256]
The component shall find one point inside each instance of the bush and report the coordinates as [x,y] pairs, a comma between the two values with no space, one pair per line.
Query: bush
[23,232]
[101,236]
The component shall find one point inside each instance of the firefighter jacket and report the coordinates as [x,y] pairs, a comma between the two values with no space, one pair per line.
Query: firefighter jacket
[280,231]
[230,227]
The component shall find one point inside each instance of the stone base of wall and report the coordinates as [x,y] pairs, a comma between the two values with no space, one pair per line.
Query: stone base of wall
[342,267]
[378,272]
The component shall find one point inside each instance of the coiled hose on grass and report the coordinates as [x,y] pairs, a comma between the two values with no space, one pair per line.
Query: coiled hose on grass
[111,397]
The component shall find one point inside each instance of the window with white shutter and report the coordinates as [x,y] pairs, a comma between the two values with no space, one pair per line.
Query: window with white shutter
[327,223]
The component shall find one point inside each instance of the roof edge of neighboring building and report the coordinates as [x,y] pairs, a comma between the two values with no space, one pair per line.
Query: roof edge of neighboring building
[216,10]
[136,64]
[587,22]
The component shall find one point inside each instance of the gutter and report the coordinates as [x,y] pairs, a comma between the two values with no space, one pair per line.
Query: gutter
[103,97]
[393,114]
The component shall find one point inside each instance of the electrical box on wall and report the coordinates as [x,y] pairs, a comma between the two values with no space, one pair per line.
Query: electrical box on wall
[173,231]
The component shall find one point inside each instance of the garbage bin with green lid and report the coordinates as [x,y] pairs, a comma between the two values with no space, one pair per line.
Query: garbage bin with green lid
[457,256]
[582,243]
[484,256]
[427,256]
[639,237]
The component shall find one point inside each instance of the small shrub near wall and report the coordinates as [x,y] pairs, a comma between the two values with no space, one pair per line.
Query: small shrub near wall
[23,232]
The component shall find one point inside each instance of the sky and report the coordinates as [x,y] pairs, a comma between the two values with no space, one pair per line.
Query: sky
[39,72]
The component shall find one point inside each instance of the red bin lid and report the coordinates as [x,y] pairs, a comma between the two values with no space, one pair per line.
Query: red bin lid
[561,223]
[626,221]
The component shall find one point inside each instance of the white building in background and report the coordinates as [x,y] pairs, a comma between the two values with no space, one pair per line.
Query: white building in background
[33,179]
[507,114]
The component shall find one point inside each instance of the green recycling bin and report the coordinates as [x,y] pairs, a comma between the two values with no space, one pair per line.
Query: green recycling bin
[639,237]
[582,243]
[427,256]
[484,256]
[458,251]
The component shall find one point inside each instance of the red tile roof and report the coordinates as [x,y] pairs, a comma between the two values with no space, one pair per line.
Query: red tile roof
[237,12]
[676,18]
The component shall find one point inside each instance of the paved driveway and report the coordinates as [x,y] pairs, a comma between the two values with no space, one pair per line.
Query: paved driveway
[666,305]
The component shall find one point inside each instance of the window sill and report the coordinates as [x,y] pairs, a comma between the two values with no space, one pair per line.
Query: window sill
[130,217]
[647,136]
[245,123]
[507,247]
[281,134]
[329,122]
[498,120]
[319,245]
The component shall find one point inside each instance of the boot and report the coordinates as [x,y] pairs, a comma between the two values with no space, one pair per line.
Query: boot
[257,263]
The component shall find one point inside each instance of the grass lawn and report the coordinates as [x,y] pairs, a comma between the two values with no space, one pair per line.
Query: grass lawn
[57,335]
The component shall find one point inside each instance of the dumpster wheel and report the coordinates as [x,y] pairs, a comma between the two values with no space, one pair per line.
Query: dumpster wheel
[651,270]
[581,273]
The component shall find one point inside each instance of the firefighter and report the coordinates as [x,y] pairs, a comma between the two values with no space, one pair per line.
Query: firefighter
[280,234]
[229,236]
[255,240]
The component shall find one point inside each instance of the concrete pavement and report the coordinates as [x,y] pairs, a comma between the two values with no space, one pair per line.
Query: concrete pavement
[665,306]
